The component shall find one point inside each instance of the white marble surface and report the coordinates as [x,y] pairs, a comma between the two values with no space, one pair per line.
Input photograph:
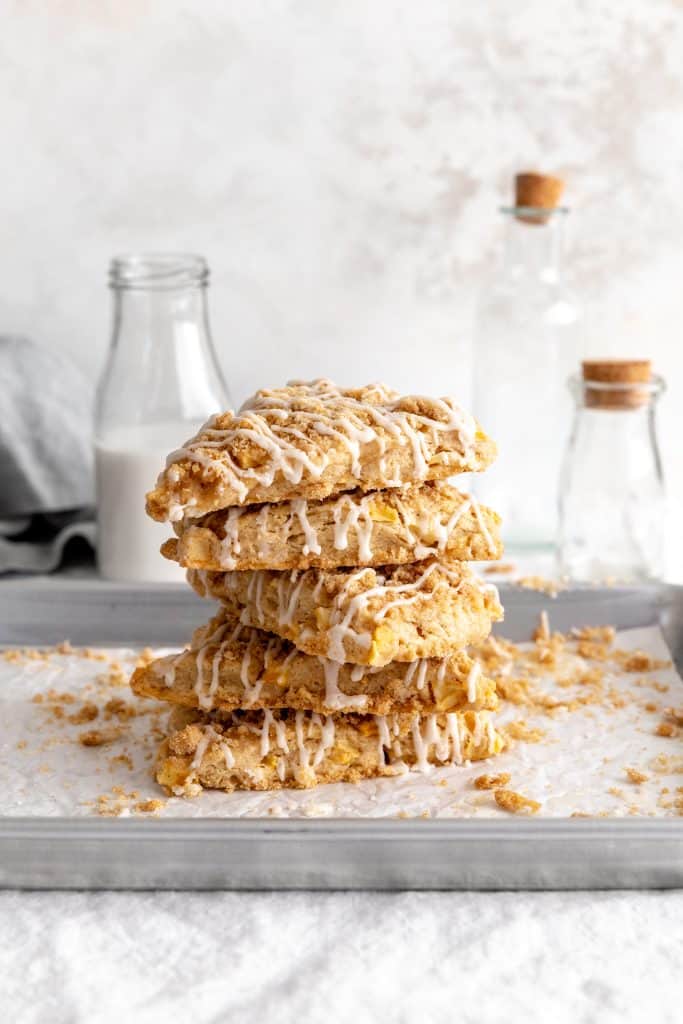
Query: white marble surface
[73,958]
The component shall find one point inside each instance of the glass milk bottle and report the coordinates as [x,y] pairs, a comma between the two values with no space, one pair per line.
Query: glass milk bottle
[612,505]
[160,383]
[525,349]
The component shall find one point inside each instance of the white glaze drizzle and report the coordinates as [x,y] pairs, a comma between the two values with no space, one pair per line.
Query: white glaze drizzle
[311,546]
[264,424]
[230,545]
[421,673]
[334,698]
[345,609]
[482,526]
[472,680]
[280,734]
[209,735]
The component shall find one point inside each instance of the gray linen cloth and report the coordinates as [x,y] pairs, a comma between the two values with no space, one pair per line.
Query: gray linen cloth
[47,493]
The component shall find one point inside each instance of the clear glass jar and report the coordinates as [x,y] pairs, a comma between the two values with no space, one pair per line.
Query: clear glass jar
[526,345]
[612,501]
[160,383]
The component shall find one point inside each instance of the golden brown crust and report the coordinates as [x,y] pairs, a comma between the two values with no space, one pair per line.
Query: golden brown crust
[312,440]
[365,616]
[231,666]
[389,527]
[279,749]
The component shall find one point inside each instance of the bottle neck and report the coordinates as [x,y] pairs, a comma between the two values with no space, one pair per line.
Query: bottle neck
[534,247]
[162,366]
[153,321]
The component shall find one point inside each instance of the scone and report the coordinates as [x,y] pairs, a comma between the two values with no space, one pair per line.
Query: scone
[387,527]
[364,616]
[299,749]
[310,440]
[231,666]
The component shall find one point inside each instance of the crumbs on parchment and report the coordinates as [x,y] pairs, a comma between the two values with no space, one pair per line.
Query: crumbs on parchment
[520,730]
[149,806]
[121,760]
[99,737]
[666,729]
[515,803]
[492,781]
[540,583]
[504,568]
[87,713]
[636,776]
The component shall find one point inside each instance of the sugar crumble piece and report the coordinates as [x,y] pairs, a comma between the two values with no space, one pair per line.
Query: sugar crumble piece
[123,760]
[64,648]
[542,631]
[119,708]
[636,776]
[145,658]
[667,730]
[492,781]
[540,583]
[114,676]
[666,764]
[98,737]
[520,730]
[604,635]
[639,661]
[87,713]
[22,744]
[675,715]
[149,806]
[515,803]
[504,568]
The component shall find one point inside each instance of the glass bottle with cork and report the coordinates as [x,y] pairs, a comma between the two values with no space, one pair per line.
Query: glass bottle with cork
[160,383]
[526,345]
[612,502]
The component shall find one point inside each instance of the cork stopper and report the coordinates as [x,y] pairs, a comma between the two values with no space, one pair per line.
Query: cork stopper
[613,383]
[537,192]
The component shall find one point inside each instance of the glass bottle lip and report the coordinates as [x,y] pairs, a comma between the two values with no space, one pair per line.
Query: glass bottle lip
[539,213]
[158,271]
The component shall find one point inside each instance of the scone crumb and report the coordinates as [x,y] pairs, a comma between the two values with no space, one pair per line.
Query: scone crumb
[149,806]
[87,713]
[119,708]
[515,803]
[636,776]
[123,760]
[666,729]
[639,661]
[492,781]
[114,676]
[519,730]
[542,631]
[665,764]
[98,737]
[540,583]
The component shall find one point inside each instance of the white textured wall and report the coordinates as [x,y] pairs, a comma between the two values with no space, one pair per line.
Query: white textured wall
[340,163]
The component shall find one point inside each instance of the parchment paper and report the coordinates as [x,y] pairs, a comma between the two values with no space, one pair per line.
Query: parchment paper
[577,765]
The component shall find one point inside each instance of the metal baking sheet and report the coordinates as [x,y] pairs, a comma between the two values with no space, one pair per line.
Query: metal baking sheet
[324,853]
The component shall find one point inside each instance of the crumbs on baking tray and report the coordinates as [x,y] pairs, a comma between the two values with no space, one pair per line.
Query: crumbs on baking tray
[515,803]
